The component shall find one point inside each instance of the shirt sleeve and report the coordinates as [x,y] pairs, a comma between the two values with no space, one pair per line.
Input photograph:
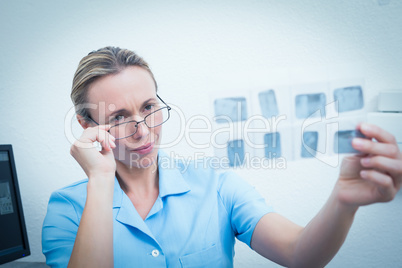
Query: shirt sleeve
[59,231]
[243,203]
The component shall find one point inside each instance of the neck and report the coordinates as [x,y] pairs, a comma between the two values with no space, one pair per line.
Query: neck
[138,181]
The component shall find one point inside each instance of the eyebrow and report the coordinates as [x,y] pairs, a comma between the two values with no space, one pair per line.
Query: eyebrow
[125,111]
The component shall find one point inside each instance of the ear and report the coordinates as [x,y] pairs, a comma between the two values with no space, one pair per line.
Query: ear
[83,122]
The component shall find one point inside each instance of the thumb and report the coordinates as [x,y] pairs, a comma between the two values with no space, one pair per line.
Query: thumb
[350,167]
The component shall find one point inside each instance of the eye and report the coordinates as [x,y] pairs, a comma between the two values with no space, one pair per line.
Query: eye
[118,118]
[149,107]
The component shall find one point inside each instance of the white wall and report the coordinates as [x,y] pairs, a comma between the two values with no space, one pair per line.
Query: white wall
[195,48]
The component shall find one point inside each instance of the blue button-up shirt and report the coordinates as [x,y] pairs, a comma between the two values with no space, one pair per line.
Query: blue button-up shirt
[193,222]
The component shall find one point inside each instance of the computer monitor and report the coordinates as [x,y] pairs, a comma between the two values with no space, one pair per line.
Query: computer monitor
[13,234]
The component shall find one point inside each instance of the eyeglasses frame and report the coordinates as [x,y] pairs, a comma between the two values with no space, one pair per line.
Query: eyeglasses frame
[138,122]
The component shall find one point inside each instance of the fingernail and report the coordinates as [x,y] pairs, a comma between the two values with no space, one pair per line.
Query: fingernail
[358,142]
[365,161]
[363,174]
[365,127]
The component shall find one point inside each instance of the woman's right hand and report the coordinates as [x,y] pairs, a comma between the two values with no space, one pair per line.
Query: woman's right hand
[91,249]
[92,161]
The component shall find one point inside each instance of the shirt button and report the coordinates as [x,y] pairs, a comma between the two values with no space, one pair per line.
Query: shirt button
[155,253]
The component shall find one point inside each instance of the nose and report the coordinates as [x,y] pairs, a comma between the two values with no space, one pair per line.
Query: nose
[142,130]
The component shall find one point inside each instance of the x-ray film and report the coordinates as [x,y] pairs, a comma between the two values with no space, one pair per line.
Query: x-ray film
[230,109]
[349,98]
[309,101]
[307,104]
[343,141]
[271,103]
[235,152]
[268,103]
[309,144]
[273,145]
[319,120]
[347,95]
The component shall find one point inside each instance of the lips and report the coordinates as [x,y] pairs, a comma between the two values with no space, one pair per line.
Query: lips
[143,147]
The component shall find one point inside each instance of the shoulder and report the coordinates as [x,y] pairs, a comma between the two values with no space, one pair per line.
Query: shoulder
[74,190]
[71,195]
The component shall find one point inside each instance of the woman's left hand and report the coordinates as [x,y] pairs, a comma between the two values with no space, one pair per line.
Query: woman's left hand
[375,175]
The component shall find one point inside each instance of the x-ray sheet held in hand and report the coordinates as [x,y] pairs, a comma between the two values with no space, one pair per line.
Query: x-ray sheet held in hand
[316,120]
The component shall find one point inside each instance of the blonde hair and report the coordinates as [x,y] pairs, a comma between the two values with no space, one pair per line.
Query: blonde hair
[99,63]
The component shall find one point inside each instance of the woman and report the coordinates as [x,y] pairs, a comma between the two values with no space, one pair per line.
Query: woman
[131,211]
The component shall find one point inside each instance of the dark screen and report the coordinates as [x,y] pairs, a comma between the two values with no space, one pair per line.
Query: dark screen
[9,219]
[13,242]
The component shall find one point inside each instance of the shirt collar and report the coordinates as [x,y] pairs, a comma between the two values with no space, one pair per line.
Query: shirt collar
[171,181]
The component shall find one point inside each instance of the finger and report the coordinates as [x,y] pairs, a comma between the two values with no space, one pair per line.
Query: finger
[100,135]
[106,150]
[110,136]
[373,131]
[383,163]
[111,141]
[105,141]
[377,148]
[104,127]
[384,183]
[96,134]
[350,167]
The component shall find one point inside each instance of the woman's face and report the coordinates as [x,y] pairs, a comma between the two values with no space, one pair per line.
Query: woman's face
[128,95]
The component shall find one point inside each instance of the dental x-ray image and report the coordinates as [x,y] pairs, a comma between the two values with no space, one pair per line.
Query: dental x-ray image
[230,110]
[235,152]
[343,141]
[272,142]
[268,103]
[297,105]
[308,104]
[310,140]
[348,98]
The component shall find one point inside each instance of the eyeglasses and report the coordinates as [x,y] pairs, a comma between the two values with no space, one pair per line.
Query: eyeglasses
[153,119]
